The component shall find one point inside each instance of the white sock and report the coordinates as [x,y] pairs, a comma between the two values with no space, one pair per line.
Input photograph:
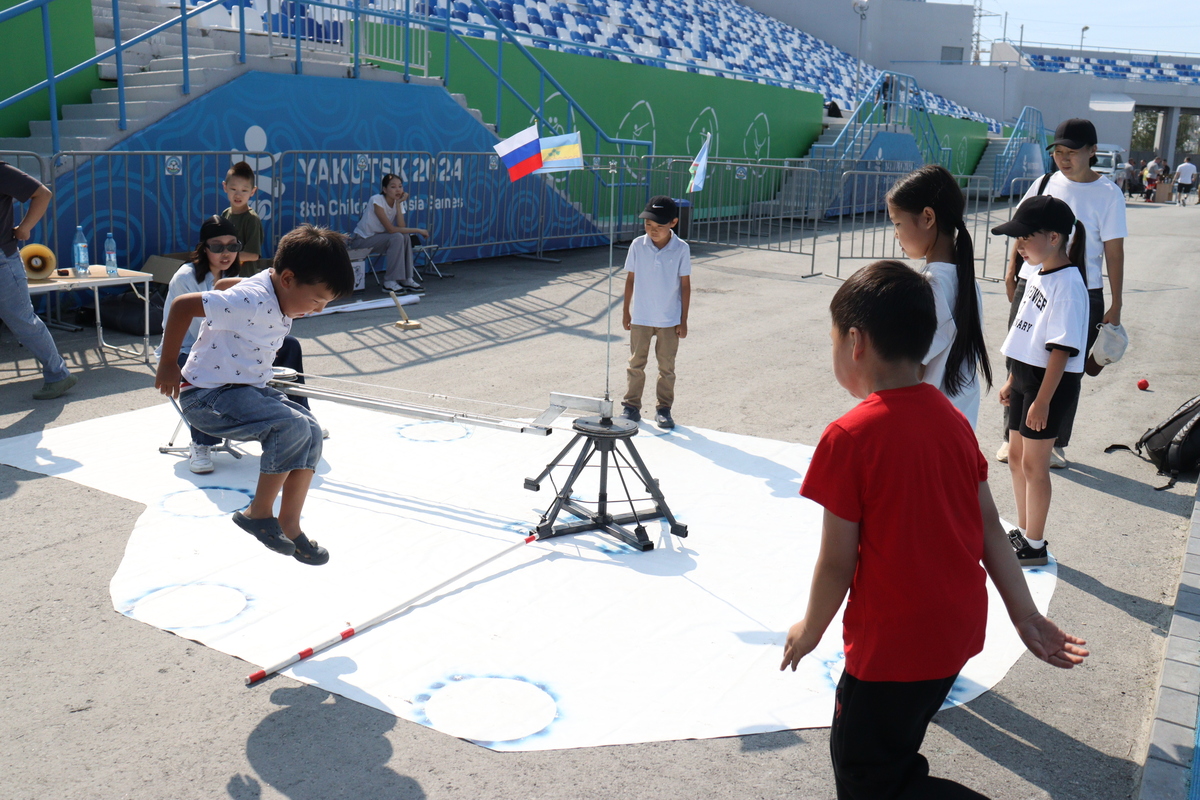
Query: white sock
[1036,544]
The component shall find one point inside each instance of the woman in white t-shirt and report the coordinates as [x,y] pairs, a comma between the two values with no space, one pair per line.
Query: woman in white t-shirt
[382,229]
[1047,346]
[926,207]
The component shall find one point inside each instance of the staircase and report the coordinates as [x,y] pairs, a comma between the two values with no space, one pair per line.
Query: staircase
[990,164]
[154,74]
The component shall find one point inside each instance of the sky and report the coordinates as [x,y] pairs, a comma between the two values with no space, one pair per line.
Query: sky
[1119,24]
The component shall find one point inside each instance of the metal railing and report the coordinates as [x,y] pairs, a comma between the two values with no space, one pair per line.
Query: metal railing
[116,51]
[865,232]
[1029,128]
[892,102]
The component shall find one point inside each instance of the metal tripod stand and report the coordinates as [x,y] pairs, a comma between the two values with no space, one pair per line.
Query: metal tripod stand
[602,435]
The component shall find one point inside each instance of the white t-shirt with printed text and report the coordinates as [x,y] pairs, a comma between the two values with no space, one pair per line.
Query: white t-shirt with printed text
[370,225]
[943,277]
[1053,315]
[657,296]
[242,331]
[1099,205]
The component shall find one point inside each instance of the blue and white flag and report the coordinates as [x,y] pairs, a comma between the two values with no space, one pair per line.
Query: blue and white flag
[562,153]
[699,166]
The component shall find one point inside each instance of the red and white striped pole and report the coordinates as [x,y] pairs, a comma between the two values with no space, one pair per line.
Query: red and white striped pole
[255,677]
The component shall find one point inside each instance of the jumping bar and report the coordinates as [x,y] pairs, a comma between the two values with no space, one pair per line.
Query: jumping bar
[255,677]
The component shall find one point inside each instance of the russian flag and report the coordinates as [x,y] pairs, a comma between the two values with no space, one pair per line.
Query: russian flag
[521,153]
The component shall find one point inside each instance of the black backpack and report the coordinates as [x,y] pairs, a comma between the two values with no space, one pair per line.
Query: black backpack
[1174,444]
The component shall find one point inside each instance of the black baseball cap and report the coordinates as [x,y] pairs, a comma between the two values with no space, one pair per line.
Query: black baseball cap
[1040,213]
[1075,134]
[660,209]
[216,226]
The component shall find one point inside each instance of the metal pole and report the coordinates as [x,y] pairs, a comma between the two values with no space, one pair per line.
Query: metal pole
[308,652]
[296,32]
[124,122]
[357,40]
[50,80]
[187,78]
[407,36]
[241,31]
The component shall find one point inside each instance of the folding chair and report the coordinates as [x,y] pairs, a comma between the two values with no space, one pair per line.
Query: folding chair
[226,446]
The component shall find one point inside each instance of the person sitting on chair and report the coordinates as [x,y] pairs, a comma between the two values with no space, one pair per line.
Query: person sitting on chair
[216,259]
[382,229]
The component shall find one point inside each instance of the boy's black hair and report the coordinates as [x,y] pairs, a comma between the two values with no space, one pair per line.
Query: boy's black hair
[893,305]
[388,179]
[316,255]
[241,170]
[932,186]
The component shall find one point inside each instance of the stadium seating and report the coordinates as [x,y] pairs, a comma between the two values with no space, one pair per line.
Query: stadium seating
[705,36]
[1115,68]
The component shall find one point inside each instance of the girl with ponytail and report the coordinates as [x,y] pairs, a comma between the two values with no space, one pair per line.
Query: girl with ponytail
[1046,347]
[926,207]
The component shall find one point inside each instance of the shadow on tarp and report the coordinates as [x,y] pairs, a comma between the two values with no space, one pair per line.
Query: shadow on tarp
[313,749]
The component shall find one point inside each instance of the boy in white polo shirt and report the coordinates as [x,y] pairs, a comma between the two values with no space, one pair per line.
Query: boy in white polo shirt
[658,290]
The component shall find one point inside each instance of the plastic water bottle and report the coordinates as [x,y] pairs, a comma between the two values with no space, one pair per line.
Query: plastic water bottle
[110,254]
[81,253]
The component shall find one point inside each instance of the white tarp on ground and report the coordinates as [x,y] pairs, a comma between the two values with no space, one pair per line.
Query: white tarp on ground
[572,642]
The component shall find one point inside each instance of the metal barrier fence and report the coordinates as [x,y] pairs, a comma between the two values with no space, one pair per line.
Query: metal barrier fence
[39,167]
[152,202]
[865,231]
[331,28]
[332,189]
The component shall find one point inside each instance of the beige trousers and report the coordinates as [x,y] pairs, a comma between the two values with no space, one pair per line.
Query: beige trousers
[665,347]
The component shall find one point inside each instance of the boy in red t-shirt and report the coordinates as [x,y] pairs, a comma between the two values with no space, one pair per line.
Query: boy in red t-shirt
[903,467]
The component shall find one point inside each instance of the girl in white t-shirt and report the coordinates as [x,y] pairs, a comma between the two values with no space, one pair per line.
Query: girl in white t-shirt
[383,230]
[926,208]
[1047,345]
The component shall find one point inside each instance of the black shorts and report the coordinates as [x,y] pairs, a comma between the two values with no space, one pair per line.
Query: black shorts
[1027,380]
[1183,188]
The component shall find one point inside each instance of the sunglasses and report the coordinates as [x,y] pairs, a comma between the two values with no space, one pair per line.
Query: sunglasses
[217,247]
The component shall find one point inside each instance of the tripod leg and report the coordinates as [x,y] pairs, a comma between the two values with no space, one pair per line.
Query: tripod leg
[535,484]
[545,527]
[660,502]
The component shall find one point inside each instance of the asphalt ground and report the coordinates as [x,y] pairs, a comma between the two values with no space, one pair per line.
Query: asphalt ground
[97,705]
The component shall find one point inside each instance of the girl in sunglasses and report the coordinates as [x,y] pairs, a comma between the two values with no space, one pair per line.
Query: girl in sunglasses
[216,258]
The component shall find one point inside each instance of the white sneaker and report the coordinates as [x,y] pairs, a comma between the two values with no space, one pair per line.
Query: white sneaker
[1058,458]
[200,459]
[391,286]
[1002,453]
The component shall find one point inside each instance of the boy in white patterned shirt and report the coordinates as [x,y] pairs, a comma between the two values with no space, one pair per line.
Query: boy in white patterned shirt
[226,393]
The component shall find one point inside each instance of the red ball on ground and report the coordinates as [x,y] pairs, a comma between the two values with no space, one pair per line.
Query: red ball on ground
[1143,384]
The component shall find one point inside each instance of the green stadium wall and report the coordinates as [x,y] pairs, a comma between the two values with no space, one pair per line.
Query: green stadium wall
[23,61]
[967,138]
[629,101]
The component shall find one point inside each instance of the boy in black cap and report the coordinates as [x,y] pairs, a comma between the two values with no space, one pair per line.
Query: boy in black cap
[658,290]
[1099,204]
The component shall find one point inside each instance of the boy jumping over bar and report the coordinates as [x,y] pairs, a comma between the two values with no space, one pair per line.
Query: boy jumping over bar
[226,393]
[908,519]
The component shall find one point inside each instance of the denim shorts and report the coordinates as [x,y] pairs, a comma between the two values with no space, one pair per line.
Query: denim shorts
[289,434]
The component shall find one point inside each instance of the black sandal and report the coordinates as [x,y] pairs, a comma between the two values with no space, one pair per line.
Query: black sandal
[307,551]
[267,531]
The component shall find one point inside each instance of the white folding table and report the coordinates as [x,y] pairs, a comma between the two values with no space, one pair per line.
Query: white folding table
[97,279]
